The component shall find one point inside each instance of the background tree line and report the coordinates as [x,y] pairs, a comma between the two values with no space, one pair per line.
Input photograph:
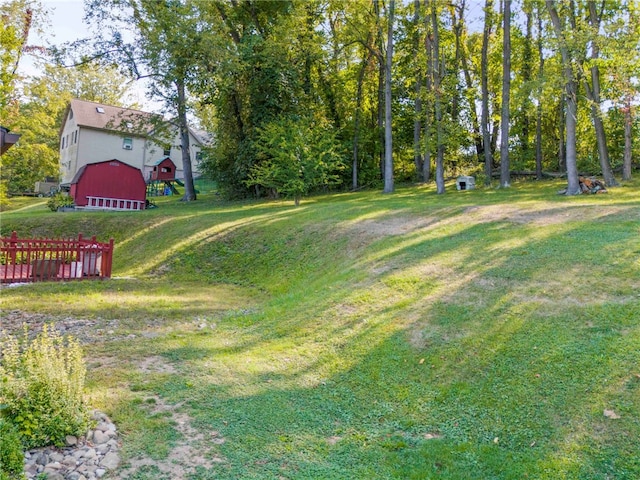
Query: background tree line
[298,93]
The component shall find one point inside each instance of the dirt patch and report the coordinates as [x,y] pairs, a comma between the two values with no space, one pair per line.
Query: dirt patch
[540,217]
[155,364]
[194,448]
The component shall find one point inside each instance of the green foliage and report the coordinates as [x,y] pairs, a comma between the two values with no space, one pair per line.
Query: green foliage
[296,156]
[11,455]
[366,336]
[40,115]
[59,200]
[42,387]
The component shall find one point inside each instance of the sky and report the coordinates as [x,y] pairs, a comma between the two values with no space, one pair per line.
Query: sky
[64,24]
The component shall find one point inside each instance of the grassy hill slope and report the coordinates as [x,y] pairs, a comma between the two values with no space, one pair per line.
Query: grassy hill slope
[475,335]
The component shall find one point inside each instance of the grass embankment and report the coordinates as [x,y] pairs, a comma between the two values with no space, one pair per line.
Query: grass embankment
[475,335]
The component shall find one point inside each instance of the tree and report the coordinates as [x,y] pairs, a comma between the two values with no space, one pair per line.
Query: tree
[297,155]
[17,16]
[593,94]
[158,41]
[571,98]
[505,179]
[484,66]
[388,134]
[436,70]
[44,100]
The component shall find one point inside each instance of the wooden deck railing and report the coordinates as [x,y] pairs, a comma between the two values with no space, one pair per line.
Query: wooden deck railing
[35,260]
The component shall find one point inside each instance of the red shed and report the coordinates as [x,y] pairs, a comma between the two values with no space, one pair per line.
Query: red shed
[109,185]
[164,169]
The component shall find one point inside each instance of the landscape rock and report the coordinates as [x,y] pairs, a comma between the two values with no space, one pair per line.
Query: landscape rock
[80,460]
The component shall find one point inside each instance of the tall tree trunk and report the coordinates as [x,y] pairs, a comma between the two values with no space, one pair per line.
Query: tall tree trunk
[562,151]
[593,94]
[484,68]
[417,121]
[455,96]
[189,188]
[388,134]
[437,79]
[539,95]
[628,122]
[571,99]
[505,177]
[527,69]
[381,75]
[426,167]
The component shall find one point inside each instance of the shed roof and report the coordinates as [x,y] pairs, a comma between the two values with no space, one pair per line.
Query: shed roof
[76,177]
[162,160]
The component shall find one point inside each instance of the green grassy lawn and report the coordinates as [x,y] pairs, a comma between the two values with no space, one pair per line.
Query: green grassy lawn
[475,335]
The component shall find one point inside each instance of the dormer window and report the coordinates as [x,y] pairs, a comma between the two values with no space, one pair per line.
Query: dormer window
[99,109]
[166,152]
[127,143]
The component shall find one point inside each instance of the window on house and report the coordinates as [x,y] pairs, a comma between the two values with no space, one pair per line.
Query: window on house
[62,143]
[165,169]
[166,152]
[127,143]
[99,109]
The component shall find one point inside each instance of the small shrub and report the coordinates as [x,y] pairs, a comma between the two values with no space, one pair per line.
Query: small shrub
[42,387]
[59,200]
[11,455]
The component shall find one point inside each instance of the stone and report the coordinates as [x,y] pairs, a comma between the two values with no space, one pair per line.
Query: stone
[100,437]
[91,453]
[110,461]
[79,460]
[104,448]
[55,476]
[56,457]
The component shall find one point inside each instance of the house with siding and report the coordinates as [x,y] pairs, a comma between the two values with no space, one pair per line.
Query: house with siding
[92,132]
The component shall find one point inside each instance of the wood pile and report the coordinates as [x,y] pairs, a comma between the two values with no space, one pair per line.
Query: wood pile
[588,185]
[592,185]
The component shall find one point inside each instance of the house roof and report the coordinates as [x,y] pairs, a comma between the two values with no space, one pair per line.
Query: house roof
[107,117]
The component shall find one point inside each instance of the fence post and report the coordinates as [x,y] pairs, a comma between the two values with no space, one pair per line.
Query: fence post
[13,247]
[107,260]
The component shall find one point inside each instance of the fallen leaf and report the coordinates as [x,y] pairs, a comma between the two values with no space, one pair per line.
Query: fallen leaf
[431,436]
[496,440]
[421,361]
[611,414]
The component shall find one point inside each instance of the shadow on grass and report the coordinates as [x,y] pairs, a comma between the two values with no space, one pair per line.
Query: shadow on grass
[460,347]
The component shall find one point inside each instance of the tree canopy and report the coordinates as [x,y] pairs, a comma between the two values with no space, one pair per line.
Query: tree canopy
[248,69]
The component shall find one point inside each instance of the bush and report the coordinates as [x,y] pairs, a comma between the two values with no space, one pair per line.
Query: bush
[59,200]
[11,455]
[42,387]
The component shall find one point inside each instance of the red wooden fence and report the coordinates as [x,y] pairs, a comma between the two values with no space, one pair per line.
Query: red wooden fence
[36,260]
